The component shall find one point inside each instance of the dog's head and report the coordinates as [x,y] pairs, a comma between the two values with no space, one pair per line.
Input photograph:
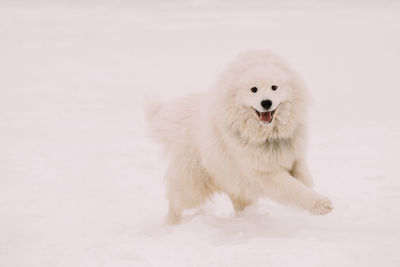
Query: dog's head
[262,97]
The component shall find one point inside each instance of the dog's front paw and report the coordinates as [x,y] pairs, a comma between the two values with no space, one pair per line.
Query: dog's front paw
[322,206]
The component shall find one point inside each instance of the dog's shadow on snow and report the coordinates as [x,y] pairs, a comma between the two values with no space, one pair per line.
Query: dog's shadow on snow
[248,225]
[255,222]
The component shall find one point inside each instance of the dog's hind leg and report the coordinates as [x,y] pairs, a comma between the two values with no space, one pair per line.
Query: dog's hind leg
[174,213]
[239,204]
[188,186]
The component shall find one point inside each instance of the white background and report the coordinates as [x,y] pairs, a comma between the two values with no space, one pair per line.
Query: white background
[81,183]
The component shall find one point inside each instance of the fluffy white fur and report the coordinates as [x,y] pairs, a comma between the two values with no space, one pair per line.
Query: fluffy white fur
[217,142]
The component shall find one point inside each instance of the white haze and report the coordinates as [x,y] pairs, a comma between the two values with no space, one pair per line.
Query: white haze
[81,184]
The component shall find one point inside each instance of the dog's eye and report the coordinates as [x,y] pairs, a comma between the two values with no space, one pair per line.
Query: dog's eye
[274,87]
[254,89]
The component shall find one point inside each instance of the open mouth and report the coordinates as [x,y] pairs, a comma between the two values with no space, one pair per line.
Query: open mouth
[265,117]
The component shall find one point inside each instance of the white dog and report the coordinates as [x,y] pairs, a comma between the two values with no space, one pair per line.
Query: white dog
[245,138]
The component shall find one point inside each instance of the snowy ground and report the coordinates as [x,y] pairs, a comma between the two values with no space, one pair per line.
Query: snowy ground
[81,183]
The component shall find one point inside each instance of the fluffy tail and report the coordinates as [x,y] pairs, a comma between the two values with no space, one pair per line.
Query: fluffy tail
[158,121]
[152,108]
[169,122]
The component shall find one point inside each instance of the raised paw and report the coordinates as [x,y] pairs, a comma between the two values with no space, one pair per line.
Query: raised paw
[322,206]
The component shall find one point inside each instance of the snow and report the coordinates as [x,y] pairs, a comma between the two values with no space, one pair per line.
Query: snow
[81,183]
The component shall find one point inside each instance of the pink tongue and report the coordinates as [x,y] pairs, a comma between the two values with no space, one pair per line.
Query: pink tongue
[265,116]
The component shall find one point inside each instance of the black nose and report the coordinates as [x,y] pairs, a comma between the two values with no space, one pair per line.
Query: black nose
[266,104]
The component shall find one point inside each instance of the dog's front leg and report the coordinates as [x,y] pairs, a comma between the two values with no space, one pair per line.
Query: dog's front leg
[284,188]
[300,172]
